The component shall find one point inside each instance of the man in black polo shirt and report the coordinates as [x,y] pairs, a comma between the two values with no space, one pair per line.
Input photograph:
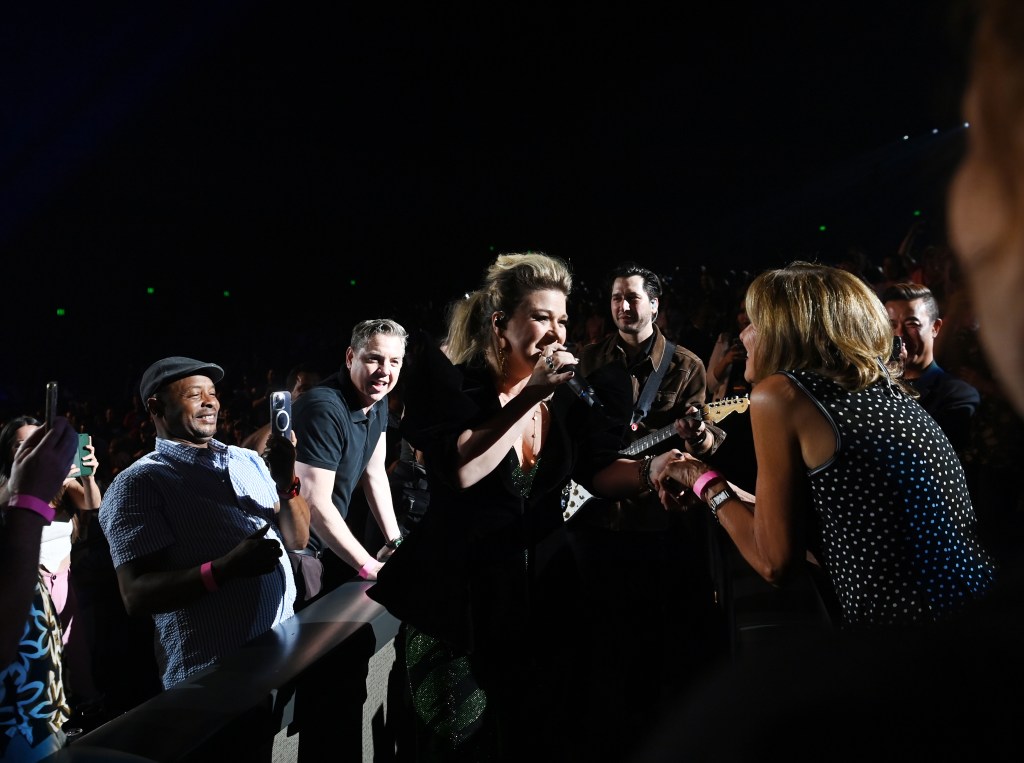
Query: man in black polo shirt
[340,427]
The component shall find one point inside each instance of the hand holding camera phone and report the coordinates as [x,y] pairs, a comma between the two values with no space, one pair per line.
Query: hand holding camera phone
[281,414]
[84,470]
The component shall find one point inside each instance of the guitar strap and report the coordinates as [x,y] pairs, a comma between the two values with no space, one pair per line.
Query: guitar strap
[643,403]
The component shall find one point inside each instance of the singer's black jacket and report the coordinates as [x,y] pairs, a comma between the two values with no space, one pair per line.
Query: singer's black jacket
[487,570]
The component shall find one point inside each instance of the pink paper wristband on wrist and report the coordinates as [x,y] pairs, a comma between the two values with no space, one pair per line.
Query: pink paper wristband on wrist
[33,504]
[370,568]
[703,480]
[209,581]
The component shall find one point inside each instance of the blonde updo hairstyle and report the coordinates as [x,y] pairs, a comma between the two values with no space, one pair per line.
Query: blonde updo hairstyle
[507,282]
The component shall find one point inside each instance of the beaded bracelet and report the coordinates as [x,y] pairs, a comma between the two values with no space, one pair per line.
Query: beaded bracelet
[645,473]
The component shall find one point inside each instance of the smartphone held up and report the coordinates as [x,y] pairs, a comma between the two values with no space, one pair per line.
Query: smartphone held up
[281,414]
[83,453]
[51,403]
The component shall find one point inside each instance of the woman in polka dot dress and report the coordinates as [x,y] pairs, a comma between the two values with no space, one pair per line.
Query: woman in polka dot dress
[850,466]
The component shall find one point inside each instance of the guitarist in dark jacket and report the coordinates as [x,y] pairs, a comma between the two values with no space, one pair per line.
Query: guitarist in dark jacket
[647,572]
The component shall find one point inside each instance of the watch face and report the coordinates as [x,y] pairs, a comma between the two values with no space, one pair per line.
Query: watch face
[719,498]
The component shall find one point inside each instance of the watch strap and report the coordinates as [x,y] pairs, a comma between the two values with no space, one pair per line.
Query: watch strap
[717,499]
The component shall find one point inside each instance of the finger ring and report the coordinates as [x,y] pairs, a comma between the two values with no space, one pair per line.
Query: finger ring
[550,360]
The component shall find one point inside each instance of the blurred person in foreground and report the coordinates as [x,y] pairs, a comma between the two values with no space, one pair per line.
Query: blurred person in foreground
[986,197]
[75,504]
[33,707]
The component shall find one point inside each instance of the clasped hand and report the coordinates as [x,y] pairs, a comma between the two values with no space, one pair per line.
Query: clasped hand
[254,556]
[674,480]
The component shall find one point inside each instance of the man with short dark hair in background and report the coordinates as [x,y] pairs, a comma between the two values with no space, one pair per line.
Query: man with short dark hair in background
[952,402]
[647,572]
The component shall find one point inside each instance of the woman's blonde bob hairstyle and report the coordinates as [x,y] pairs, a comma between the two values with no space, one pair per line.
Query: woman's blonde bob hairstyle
[823,319]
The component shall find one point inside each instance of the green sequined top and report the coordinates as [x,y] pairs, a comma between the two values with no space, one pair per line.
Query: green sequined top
[524,480]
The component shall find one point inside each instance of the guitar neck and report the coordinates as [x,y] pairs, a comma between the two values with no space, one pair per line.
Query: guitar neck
[649,441]
[712,412]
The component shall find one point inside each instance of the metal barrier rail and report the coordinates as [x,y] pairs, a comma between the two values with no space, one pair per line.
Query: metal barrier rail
[178,721]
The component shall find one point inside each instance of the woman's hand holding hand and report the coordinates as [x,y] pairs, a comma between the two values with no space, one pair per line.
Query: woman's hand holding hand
[674,479]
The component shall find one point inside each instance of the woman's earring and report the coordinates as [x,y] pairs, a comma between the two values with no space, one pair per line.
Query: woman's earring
[502,361]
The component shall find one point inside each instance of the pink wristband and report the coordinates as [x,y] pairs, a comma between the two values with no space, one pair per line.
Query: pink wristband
[209,581]
[367,569]
[31,503]
[703,480]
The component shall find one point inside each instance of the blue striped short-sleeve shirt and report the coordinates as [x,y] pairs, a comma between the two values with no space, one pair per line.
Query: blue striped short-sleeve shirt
[196,504]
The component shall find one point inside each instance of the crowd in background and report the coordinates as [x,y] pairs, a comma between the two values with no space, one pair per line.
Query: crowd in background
[122,432]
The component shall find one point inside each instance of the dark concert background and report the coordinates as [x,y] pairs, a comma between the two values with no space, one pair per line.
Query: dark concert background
[242,181]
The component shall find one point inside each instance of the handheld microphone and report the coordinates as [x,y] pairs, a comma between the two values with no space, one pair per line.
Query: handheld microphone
[581,387]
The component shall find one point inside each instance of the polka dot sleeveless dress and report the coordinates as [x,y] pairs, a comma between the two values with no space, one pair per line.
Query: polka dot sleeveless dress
[897,528]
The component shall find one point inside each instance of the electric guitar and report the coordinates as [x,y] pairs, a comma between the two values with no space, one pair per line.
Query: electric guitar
[574,496]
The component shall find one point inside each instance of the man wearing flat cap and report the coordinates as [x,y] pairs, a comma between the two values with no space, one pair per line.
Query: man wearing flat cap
[196,527]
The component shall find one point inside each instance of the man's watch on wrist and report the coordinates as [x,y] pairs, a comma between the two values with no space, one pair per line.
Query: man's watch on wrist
[717,499]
